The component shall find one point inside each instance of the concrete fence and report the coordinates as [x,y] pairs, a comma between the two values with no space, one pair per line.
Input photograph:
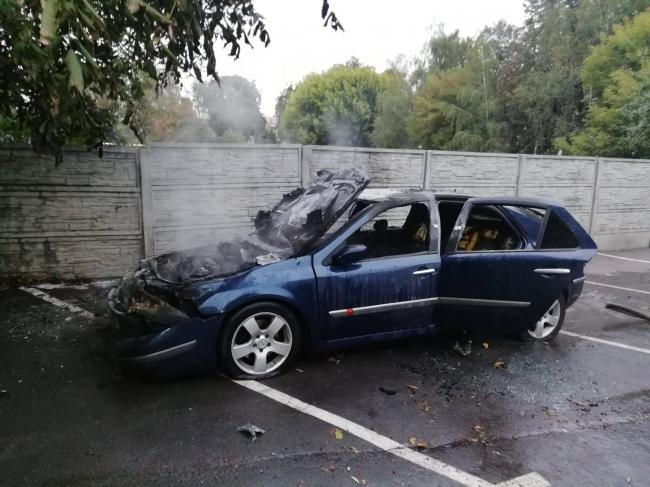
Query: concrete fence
[92,218]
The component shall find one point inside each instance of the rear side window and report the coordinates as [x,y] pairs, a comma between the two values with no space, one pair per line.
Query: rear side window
[557,235]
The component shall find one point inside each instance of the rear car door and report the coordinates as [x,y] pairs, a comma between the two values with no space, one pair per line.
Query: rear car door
[507,261]
[394,288]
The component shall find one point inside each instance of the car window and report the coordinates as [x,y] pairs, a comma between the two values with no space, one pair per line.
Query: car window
[557,235]
[397,231]
[528,218]
[487,229]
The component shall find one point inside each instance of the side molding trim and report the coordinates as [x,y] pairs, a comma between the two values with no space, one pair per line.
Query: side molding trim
[362,310]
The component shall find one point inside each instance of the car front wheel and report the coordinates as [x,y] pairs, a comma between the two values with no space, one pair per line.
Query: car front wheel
[260,341]
[549,325]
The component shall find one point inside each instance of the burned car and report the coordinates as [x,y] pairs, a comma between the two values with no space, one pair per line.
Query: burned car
[337,265]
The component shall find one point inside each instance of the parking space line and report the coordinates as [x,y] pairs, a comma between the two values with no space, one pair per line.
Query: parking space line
[605,342]
[386,444]
[617,287]
[57,302]
[623,258]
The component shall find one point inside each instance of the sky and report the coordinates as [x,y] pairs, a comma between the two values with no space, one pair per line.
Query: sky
[376,32]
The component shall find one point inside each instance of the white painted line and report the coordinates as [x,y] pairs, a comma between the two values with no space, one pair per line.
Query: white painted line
[58,302]
[623,258]
[386,444]
[617,287]
[605,342]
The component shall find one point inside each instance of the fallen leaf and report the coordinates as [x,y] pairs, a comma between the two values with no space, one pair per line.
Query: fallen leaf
[251,429]
[486,345]
[412,388]
[417,443]
[499,364]
[338,434]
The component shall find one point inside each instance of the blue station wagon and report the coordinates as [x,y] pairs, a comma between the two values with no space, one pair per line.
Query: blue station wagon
[337,264]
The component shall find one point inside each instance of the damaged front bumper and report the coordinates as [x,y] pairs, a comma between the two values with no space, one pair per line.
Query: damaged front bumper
[160,341]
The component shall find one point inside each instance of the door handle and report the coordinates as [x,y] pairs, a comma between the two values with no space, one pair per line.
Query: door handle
[553,271]
[423,272]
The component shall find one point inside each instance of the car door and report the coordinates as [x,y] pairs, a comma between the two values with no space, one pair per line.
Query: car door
[393,289]
[512,281]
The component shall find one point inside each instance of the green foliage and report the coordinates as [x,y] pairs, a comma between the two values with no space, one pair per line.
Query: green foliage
[394,106]
[337,107]
[69,66]
[617,76]
[232,109]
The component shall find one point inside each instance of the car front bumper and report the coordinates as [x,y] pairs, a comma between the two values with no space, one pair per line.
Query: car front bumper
[186,347]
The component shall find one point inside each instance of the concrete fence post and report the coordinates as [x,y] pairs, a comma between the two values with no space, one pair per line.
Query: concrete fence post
[144,156]
[426,182]
[518,184]
[304,154]
[594,198]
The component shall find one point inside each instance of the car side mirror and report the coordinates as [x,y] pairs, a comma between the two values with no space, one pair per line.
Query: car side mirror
[351,254]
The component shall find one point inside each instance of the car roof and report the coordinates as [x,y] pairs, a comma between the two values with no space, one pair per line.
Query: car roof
[392,195]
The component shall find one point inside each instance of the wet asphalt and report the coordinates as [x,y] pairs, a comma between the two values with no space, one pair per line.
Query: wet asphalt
[574,411]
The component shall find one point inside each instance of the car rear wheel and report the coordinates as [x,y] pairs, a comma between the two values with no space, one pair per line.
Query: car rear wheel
[549,325]
[260,341]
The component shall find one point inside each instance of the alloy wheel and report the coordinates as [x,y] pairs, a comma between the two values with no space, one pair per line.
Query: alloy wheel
[261,343]
[548,322]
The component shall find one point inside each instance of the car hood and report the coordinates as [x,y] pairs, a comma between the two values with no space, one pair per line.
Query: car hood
[290,228]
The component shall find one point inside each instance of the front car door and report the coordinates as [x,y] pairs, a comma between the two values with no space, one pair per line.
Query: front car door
[507,261]
[394,289]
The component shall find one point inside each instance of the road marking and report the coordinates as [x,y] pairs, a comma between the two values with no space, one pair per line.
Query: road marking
[57,302]
[617,287]
[386,444]
[605,342]
[624,258]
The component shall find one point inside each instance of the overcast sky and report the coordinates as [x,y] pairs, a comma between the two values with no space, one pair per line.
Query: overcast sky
[376,31]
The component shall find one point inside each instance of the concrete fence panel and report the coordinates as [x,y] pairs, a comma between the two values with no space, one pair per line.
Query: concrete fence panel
[569,180]
[472,174]
[387,168]
[81,219]
[201,193]
[622,204]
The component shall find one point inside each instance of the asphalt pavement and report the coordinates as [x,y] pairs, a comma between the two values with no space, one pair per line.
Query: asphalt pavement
[575,411]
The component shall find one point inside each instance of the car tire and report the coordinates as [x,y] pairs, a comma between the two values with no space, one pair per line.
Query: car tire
[549,325]
[260,341]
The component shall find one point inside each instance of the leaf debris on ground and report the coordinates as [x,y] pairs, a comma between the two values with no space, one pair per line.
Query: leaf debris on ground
[251,430]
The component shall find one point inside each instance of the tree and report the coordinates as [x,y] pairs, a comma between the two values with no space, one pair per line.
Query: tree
[557,37]
[442,53]
[394,105]
[616,76]
[67,66]
[232,109]
[160,116]
[336,107]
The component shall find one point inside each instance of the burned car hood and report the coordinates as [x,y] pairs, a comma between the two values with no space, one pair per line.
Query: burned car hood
[290,228]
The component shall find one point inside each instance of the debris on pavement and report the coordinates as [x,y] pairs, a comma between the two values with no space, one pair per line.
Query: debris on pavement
[329,468]
[628,311]
[462,350]
[413,388]
[419,444]
[388,392]
[486,345]
[252,430]
[338,434]
[499,364]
